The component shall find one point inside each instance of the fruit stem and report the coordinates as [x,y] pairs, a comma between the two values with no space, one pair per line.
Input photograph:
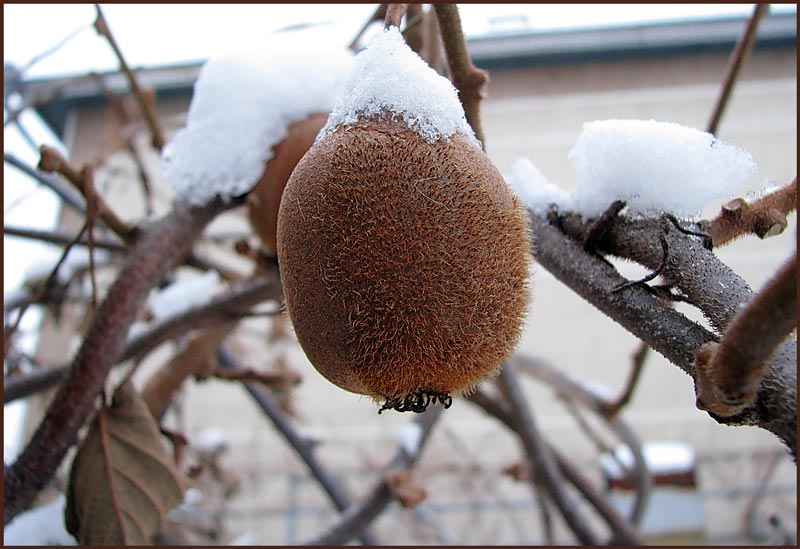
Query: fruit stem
[394,14]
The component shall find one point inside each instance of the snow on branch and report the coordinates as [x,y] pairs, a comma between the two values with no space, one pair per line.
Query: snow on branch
[242,107]
[655,167]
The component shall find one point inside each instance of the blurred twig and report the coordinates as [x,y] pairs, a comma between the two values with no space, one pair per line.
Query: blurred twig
[146,106]
[55,184]
[357,517]
[639,358]
[302,446]
[59,237]
[378,15]
[153,255]
[227,307]
[542,462]
[52,162]
[737,58]
[621,528]
[394,15]
[469,80]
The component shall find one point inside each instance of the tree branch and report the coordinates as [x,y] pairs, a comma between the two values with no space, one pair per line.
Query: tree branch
[639,358]
[574,392]
[52,162]
[623,532]
[301,446]
[218,311]
[150,259]
[394,15]
[765,217]
[709,284]
[377,15]
[55,184]
[146,106]
[357,517]
[542,463]
[730,372]
[469,80]
[60,237]
[739,54]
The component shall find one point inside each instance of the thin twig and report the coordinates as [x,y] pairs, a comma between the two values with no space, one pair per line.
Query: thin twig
[378,15]
[302,446]
[731,371]
[735,62]
[650,276]
[394,15]
[43,292]
[622,530]
[146,106]
[55,184]
[123,118]
[60,237]
[414,29]
[764,217]
[568,388]
[432,42]
[52,162]
[220,310]
[150,259]
[359,516]
[29,383]
[539,454]
[639,358]
[469,80]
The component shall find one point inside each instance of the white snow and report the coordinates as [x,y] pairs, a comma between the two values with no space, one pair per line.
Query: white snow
[183,295]
[210,439]
[533,188]
[388,77]
[241,107]
[654,166]
[768,187]
[661,457]
[409,435]
[43,526]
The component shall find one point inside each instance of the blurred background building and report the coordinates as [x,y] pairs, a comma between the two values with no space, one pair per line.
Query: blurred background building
[543,86]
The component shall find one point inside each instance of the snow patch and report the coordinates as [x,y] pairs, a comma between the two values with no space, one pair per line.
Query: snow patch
[183,295]
[533,188]
[655,167]
[388,77]
[661,457]
[241,107]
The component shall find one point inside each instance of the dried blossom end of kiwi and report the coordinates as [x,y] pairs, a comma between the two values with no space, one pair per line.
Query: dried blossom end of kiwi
[416,402]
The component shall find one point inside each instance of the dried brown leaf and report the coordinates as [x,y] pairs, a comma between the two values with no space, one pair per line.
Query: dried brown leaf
[123,481]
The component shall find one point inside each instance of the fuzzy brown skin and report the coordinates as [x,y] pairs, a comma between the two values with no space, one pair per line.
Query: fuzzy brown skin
[264,200]
[405,264]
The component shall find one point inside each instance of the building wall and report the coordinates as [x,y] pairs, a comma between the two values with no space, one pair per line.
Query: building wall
[534,112]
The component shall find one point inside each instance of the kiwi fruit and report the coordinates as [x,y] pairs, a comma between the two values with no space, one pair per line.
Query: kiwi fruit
[405,263]
[264,200]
